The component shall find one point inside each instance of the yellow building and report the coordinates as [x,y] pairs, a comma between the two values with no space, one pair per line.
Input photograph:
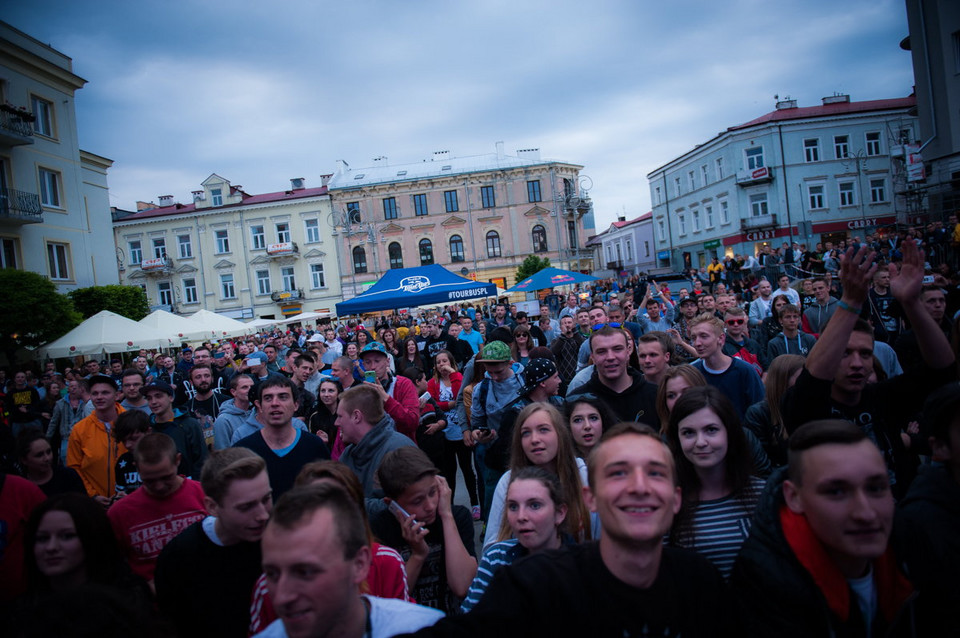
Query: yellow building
[241,255]
[477,216]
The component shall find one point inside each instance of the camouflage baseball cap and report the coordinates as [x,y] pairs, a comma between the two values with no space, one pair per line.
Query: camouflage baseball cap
[495,352]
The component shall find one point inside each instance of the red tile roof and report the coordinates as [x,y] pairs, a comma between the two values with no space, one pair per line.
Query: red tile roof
[183,209]
[840,108]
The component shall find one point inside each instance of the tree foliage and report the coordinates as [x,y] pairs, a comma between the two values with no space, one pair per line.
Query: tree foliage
[126,301]
[33,311]
[531,266]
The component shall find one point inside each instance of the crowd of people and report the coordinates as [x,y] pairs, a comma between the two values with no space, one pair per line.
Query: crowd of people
[635,462]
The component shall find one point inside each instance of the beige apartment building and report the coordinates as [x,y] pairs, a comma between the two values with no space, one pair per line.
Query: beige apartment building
[244,256]
[478,216]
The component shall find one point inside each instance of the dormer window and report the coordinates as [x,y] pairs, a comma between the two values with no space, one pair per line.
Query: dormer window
[216,196]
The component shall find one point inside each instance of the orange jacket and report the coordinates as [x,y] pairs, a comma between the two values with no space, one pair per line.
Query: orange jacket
[93,453]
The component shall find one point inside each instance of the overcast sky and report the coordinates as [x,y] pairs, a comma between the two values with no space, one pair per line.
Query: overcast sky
[260,92]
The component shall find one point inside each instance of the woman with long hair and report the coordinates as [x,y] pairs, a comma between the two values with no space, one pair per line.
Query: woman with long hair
[388,337]
[589,417]
[542,439]
[36,461]
[675,380]
[409,355]
[536,513]
[522,344]
[770,327]
[323,421]
[714,466]
[764,418]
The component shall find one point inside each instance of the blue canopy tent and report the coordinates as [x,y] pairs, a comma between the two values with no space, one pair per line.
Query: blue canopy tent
[412,287]
[550,277]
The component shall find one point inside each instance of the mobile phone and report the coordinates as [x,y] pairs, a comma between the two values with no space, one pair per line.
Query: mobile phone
[424,396]
[370,375]
[928,279]
[398,510]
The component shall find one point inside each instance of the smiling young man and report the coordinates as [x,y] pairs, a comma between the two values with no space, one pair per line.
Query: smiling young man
[626,584]
[163,506]
[204,576]
[285,448]
[817,561]
[91,450]
[739,381]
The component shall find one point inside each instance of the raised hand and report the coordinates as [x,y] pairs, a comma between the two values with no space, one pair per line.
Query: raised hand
[905,284]
[856,274]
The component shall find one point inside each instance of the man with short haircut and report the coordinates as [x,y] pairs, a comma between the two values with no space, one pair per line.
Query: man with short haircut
[471,336]
[738,343]
[571,308]
[654,348]
[815,317]
[433,342]
[272,364]
[934,301]
[629,583]
[724,302]
[186,360]
[397,393]
[342,369]
[334,346]
[500,318]
[833,382]
[316,556]
[205,575]
[760,307]
[163,506]
[624,389]
[790,340]
[566,349]
[817,561]
[91,367]
[657,317]
[783,282]
[285,448]
[91,450]
[882,312]
[179,426]
[739,381]
[462,351]
[233,412]
[368,433]
[131,382]
[204,405]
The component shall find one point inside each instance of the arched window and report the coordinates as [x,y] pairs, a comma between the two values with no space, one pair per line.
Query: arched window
[426,252]
[493,244]
[539,235]
[456,249]
[359,260]
[396,255]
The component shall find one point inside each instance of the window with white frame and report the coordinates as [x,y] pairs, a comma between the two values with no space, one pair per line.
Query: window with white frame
[681,225]
[216,196]
[488,198]
[533,191]
[539,237]
[811,150]
[696,220]
[359,260]
[190,290]
[718,163]
[661,230]
[184,246]
[629,250]
[58,259]
[227,291]
[136,252]
[841,146]
[49,188]
[263,282]
[758,204]
[878,190]
[847,194]
[353,212]
[395,255]
[456,249]
[426,252]
[159,248]
[283,233]
[572,238]
[609,252]
[708,215]
[657,195]
[754,157]
[676,183]
[493,244]
[693,180]
[288,277]
[450,202]
[258,239]
[223,241]
[873,143]
[815,193]
[165,293]
[10,252]
[420,205]
[724,212]
[43,116]
[317,279]
[646,248]
[312,230]
[703,174]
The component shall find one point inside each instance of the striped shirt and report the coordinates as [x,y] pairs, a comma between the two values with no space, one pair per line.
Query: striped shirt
[496,556]
[718,528]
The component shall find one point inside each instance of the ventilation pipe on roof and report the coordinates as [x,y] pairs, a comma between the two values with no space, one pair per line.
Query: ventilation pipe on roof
[296,184]
[166,200]
[500,153]
[786,103]
[836,98]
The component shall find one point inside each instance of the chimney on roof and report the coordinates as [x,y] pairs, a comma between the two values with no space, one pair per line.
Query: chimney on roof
[500,153]
[166,200]
[342,166]
[836,98]
[528,153]
[440,155]
[381,160]
[325,179]
[296,184]
[621,218]
[142,206]
[786,103]
[198,196]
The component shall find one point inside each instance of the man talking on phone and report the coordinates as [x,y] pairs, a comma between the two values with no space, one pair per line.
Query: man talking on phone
[398,393]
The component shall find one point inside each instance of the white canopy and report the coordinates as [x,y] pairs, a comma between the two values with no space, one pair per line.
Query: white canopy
[218,326]
[261,323]
[303,317]
[174,326]
[105,332]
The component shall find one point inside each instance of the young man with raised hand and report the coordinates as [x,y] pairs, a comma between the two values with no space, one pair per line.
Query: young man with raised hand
[205,575]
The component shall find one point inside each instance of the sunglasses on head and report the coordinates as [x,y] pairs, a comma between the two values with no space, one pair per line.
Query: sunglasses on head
[601,326]
[584,396]
[736,322]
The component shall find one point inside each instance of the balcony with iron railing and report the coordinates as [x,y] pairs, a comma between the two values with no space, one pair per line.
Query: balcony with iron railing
[157,266]
[287,295]
[758,221]
[19,207]
[16,128]
[283,249]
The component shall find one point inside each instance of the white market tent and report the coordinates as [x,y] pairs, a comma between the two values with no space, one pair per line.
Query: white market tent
[217,326]
[303,317]
[174,326]
[105,332]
